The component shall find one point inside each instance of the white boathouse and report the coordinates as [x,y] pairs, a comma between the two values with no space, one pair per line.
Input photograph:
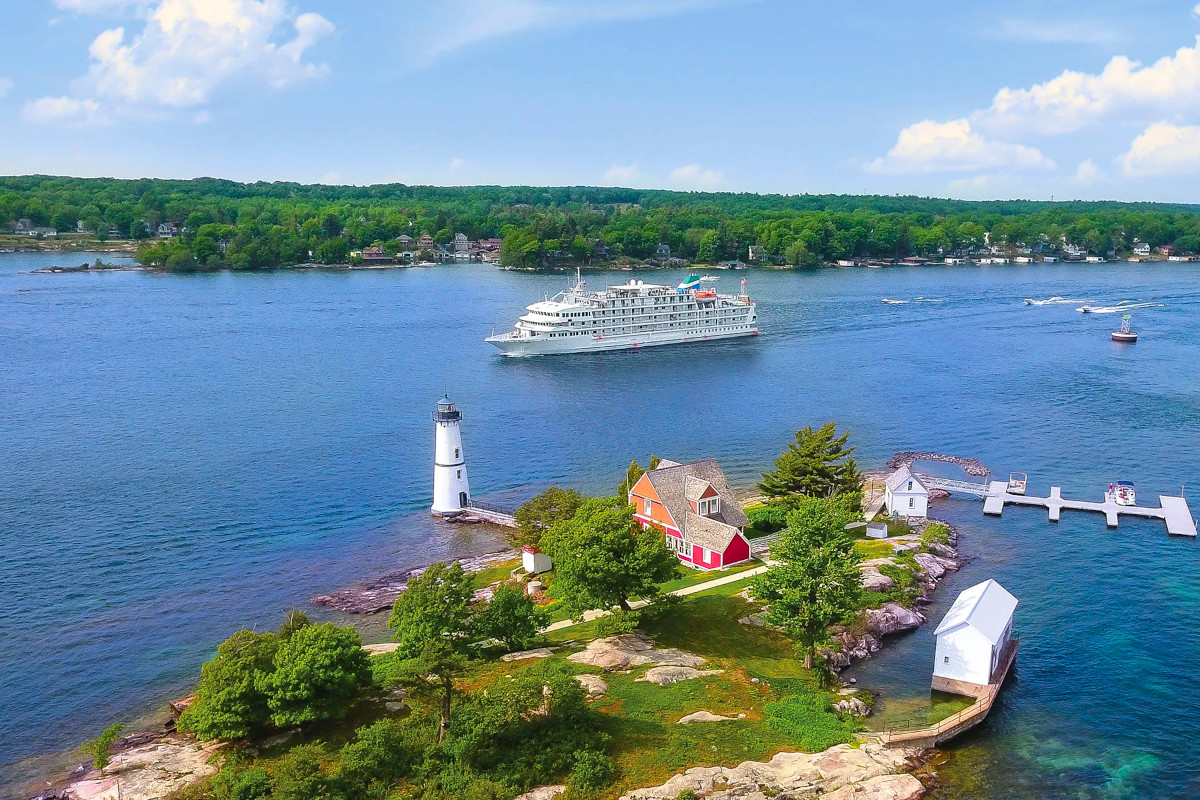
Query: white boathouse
[905,495]
[973,639]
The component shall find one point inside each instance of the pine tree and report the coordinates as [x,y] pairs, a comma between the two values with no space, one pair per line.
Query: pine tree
[817,464]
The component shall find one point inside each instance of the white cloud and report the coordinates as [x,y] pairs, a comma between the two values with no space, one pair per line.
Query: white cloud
[1088,172]
[437,28]
[1074,100]
[6,85]
[619,175]
[1163,149]
[62,109]
[187,49]
[953,146]
[1032,31]
[190,47]
[693,176]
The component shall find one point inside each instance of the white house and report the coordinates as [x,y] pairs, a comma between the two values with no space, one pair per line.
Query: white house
[1141,248]
[905,495]
[462,245]
[972,639]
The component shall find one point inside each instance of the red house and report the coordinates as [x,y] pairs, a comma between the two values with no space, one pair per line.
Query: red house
[693,504]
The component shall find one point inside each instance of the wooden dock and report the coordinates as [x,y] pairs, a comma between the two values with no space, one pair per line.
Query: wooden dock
[1174,511]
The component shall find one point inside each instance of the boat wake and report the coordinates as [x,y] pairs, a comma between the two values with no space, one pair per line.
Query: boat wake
[1124,305]
[893,302]
[1054,301]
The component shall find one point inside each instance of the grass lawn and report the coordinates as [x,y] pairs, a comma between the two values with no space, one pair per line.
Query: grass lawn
[500,572]
[649,745]
[686,576]
[873,548]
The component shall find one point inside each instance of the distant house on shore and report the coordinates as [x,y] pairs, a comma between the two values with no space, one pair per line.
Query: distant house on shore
[462,245]
[663,250]
[757,253]
[1167,250]
[425,242]
[406,241]
[168,230]
[1141,248]
[696,510]
[376,255]
[905,495]
[23,226]
[973,639]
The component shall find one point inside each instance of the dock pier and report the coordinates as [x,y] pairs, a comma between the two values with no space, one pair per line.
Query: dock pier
[1173,511]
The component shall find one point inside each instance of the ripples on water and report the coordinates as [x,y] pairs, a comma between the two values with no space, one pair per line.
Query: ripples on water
[188,454]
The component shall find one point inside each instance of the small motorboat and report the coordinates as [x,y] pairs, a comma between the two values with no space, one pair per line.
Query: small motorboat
[1017,481]
[1126,334]
[1123,494]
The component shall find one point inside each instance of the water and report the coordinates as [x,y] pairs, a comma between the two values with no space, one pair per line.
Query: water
[184,455]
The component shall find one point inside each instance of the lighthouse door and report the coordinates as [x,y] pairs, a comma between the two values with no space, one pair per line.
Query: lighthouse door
[462,499]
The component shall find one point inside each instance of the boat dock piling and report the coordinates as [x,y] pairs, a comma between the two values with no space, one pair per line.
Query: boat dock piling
[1174,511]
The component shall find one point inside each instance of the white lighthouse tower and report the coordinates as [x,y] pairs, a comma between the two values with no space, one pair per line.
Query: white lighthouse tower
[451,493]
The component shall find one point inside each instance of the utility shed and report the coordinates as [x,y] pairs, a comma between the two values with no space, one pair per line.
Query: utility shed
[905,495]
[973,639]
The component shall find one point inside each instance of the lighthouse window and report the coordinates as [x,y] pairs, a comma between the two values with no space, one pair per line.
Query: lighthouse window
[460,474]
[456,452]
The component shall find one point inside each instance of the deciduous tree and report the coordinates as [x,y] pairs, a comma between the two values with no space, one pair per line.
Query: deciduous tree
[538,514]
[603,557]
[319,670]
[512,617]
[815,580]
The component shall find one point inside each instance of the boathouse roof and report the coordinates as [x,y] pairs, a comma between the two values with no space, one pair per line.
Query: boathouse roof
[987,607]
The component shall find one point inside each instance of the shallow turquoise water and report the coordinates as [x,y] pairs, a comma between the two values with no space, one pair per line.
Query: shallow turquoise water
[184,455]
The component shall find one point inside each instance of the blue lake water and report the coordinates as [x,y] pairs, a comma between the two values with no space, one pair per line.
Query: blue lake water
[185,455]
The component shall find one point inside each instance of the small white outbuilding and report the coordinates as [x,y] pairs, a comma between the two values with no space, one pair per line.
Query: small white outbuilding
[534,561]
[905,495]
[972,638]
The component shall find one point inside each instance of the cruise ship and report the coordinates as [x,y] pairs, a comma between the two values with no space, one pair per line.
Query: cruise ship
[634,314]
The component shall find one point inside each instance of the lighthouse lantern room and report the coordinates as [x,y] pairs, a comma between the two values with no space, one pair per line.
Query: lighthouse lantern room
[451,493]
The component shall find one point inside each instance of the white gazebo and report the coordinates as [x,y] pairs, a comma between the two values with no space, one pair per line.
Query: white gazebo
[905,495]
[973,639]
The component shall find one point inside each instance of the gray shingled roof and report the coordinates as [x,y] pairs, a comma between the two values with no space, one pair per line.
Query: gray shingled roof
[901,476]
[671,484]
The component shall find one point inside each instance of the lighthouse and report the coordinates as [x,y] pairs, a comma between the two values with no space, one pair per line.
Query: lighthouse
[451,494]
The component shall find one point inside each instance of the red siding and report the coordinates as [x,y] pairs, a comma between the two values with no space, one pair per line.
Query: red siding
[738,550]
[712,561]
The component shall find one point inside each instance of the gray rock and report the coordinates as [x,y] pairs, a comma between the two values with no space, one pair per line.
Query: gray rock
[665,676]
[875,581]
[394,705]
[892,618]
[521,655]
[632,650]
[853,706]
[593,683]
[703,716]
[942,550]
[542,793]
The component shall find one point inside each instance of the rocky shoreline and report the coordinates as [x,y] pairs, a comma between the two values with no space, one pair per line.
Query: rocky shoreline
[863,639]
[380,594]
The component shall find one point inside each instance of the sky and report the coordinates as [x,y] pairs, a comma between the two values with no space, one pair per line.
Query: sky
[1064,100]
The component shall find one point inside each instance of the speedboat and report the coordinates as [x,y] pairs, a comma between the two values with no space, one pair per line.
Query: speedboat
[1123,494]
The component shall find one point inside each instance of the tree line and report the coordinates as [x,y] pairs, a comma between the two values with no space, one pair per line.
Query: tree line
[267,225]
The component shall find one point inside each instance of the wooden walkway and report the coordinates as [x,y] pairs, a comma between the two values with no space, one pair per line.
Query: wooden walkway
[1174,511]
[964,720]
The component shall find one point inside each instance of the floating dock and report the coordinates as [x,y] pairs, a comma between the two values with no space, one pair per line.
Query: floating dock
[1174,511]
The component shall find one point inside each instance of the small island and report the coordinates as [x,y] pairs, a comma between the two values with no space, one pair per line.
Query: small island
[621,665]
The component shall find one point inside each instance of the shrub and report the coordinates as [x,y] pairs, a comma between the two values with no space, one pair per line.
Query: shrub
[380,754]
[592,772]
[936,532]
[301,775]
[617,623]
[319,669]
[686,794]
[810,721]
[237,782]
[768,518]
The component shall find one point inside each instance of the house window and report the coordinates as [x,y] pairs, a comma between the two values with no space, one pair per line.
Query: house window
[714,505]
[911,501]
[945,659]
[910,486]
[648,506]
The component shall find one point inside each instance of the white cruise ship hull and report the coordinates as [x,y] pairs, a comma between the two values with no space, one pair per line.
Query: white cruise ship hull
[517,347]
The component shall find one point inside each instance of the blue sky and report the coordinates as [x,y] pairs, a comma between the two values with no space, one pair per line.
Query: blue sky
[1019,99]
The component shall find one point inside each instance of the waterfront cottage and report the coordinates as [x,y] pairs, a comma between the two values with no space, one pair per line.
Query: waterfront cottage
[905,495]
[974,639]
[696,510]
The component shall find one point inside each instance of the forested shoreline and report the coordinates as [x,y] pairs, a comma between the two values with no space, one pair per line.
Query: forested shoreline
[229,225]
